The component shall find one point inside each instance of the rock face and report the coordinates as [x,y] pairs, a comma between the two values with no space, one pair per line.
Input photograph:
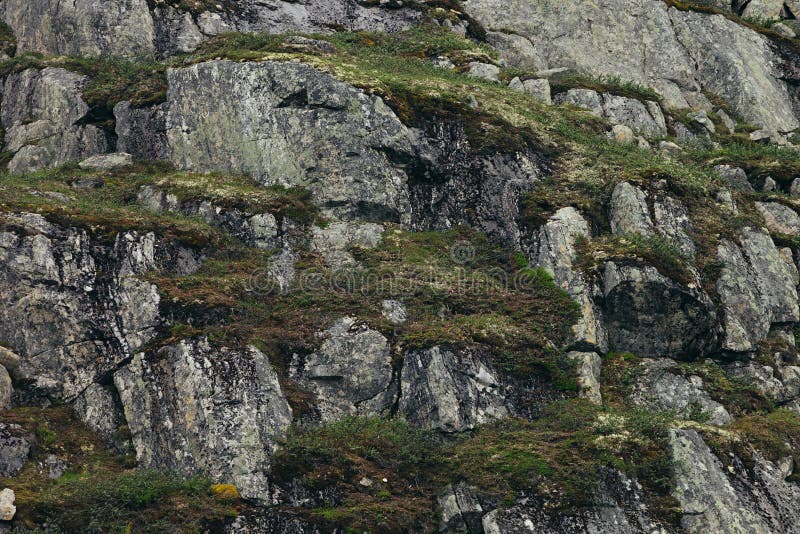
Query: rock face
[14,449]
[132,28]
[82,27]
[650,315]
[289,124]
[41,115]
[715,501]
[351,373]
[556,252]
[648,42]
[660,389]
[195,408]
[71,306]
[757,289]
[449,389]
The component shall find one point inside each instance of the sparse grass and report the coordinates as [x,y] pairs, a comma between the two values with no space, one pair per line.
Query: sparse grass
[562,82]
[557,457]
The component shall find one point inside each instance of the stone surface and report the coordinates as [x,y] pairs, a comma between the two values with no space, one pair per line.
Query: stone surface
[588,370]
[485,71]
[15,446]
[660,387]
[141,132]
[780,219]
[72,304]
[449,389]
[735,176]
[6,388]
[195,409]
[41,115]
[555,252]
[394,311]
[756,288]
[538,88]
[351,373]
[650,315]
[461,511]
[289,124]
[642,118]
[107,162]
[646,41]
[7,508]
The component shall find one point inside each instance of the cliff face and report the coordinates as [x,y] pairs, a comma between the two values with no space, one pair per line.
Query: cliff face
[526,267]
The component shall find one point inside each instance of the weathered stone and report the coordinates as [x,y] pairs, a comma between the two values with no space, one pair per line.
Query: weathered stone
[784,30]
[727,122]
[81,27]
[794,189]
[196,409]
[756,289]
[449,389]
[650,315]
[6,389]
[588,369]
[701,118]
[98,407]
[351,373]
[735,177]
[780,219]
[629,211]
[538,88]
[7,508]
[669,149]
[15,446]
[461,511]
[647,41]
[75,308]
[142,132]
[660,388]
[485,71]
[394,311]
[289,124]
[41,114]
[107,161]
[555,252]
[582,98]
[53,466]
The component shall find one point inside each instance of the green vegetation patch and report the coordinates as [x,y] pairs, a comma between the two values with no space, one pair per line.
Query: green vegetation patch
[8,41]
[556,457]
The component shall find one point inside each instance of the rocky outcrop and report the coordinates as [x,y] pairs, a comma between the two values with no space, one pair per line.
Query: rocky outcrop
[141,132]
[650,315]
[194,408]
[661,388]
[260,230]
[351,373]
[736,501]
[449,389]
[41,114]
[643,118]
[137,28]
[15,446]
[757,288]
[619,506]
[555,251]
[72,306]
[81,27]
[289,124]
[647,42]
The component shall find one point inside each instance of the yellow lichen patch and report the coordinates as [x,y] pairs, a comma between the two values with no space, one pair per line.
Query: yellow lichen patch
[226,492]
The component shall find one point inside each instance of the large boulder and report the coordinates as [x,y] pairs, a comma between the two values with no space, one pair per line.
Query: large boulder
[648,42]
[449,389]
[351,373]
[756,287]
[643,118]
[41,115]
[81,27]
[194,408]
[290,124]
[650,315]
